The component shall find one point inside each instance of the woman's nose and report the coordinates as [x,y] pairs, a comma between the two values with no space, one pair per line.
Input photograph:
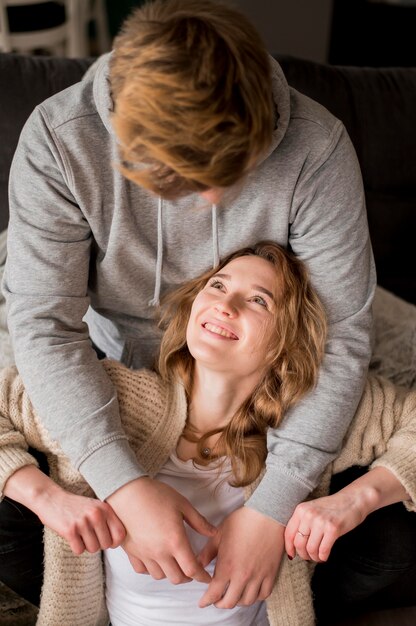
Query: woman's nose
[226,307]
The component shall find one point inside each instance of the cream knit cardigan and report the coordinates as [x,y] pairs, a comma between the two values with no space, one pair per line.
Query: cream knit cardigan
[153,416]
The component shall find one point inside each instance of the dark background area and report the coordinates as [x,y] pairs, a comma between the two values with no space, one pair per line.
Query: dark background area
[341,32]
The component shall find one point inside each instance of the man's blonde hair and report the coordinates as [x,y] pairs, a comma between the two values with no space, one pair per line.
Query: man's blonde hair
[191,81]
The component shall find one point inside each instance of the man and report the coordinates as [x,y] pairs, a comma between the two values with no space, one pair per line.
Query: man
[183,145]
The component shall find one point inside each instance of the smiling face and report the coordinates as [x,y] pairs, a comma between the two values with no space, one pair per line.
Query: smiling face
[232,318]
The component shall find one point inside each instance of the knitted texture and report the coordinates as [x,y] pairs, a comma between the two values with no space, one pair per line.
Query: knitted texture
[394,350]
[153,416]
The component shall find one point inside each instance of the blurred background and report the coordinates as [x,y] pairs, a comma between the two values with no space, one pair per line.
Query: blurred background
[341,32]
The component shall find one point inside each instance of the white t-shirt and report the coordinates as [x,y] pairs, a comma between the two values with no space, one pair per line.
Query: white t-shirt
[139,600]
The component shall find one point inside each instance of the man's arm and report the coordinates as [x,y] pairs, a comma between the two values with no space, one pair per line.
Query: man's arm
[46,281]
[329,232]
[45,286]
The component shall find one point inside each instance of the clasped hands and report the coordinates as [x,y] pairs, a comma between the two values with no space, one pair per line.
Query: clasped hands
[146,518]
[248,545]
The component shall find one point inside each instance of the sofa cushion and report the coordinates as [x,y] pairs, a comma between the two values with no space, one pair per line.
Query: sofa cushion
[25,81]
[378,108]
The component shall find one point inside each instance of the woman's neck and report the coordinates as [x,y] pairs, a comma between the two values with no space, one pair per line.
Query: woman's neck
[215,398]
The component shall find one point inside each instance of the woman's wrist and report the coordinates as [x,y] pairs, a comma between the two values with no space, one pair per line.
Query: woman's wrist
[31,487]
[377,488]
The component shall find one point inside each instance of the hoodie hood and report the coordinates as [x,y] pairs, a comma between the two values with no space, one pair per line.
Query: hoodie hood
[99,72]
[281,99]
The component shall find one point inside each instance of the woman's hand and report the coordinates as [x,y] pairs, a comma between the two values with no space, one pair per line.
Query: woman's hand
[86,523]
[316,525]
[250,547]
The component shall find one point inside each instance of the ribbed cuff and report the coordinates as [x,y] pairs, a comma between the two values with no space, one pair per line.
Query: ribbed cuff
[110,467]
[403,467]
[11,460]
[278,494]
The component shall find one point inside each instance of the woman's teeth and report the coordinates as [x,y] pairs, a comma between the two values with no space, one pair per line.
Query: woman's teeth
[219,331]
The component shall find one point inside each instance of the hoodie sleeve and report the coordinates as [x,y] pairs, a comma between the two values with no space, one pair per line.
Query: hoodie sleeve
[329,232]
[45,286]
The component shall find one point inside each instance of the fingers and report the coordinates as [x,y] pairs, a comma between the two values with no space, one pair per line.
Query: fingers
[226,594]
[290,533]
[327,542]
[154,570]
[209,551]
[197,521]
[250,594]
[101,528]
[164,568]
[214,593]
[190,566]
[137,564]
[231,596]
[76,544]
[116,528]
[174,573]
[254,593]
[315,545]
[301,541]
[102,535]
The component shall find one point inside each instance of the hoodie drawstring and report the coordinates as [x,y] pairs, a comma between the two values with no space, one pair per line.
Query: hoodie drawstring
[215,248]
[159,258]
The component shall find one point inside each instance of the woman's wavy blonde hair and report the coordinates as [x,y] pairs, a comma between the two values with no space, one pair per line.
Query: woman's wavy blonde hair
[296,351]
[191,82]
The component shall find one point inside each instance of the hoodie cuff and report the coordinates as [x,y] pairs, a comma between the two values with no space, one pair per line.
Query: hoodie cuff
[110,467]
[278,494]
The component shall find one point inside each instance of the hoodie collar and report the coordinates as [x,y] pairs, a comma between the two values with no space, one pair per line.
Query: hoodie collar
[101,89]
[281,99]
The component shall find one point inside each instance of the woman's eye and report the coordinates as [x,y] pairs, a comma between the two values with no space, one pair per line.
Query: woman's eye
[260,300]
[216,284]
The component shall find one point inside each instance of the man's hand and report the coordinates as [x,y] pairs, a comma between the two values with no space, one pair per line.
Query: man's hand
[153,514]
[250,547]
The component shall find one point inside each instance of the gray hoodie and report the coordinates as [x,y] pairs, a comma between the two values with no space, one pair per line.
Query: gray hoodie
[88,250]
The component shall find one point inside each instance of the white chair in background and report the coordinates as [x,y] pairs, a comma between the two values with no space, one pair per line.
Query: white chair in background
[71,38]
[54,39]
[83,12]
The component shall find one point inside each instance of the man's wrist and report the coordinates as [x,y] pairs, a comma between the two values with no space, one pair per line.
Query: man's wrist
[110,467]
[124,490]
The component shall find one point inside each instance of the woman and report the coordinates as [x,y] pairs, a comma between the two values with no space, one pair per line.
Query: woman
[242,344]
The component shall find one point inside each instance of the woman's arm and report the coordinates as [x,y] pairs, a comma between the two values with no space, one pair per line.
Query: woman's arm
[316,525]
[86,523]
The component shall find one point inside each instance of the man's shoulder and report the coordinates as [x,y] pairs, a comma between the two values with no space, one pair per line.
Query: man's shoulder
[309,111]
[69,106]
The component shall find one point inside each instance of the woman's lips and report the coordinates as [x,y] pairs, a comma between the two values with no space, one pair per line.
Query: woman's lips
[219,330]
